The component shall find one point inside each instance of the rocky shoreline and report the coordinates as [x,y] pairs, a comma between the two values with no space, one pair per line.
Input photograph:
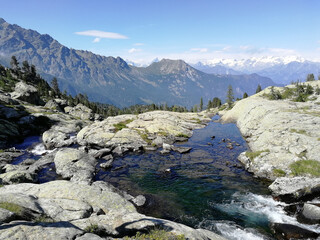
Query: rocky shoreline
[77,207]
[284,138]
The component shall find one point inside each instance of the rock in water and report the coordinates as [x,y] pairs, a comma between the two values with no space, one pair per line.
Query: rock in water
[295,189]
[75,164]
[310,214]
[288,231]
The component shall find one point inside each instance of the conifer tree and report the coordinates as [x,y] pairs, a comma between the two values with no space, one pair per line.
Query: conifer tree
[230,96]
[258,88]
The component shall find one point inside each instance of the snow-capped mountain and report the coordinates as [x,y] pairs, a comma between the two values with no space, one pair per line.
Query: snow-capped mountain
[254,64]
[282,70]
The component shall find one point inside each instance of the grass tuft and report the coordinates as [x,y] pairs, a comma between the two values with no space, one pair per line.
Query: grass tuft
[119,126]
[305,167]
[253,155]
[301,131]
[157,235]
[279,172]
[12,207]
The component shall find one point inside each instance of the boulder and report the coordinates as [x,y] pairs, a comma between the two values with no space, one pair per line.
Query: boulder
[26,93]
[53,105]
[310,214]
[6,216]
[288,231]
[295,189]
[80,111]
[17,174]
[5,99]
[37,231]
[75,165]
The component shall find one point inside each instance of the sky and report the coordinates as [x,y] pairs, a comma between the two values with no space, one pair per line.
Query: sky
[192,30]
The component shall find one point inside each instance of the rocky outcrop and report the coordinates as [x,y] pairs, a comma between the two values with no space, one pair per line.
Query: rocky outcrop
[82,112]
[82,206]
[279,133]
[133,132]
[26,93]
[53,105]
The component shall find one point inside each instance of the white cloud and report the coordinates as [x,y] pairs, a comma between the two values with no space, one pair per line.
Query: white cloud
[96,40]
[100,34]
[133,50]
[202,50]
[138,44]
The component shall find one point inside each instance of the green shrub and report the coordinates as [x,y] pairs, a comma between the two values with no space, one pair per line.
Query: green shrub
[122,125]
[305,167]
[12,207]
[253,155]
[279,172]
[157,235]
[223,107]
[94,228]
[288,93]
[182,135]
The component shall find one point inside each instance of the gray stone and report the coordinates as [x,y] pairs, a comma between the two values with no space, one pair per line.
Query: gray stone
[39,231]
[310,213]
[294,189]
[181,149]
[75,164]
[17,174]
[89,236]
[80,111]
[6,216]
[107,164]
[53,105]
[139,200]
[26,93]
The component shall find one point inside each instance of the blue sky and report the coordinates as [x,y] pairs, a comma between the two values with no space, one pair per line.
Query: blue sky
[141,30]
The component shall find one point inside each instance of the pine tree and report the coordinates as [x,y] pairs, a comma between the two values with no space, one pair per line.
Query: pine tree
[14,63]
[310,77]
[258,88]
[245,95]
[201,104]
[216,102]
[230,96]
[55,86]
[209,104]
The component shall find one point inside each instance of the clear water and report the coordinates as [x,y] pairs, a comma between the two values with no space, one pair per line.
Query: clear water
[204,188]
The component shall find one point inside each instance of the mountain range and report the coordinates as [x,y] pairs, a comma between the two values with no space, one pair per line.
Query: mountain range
[282,70]
[112,80]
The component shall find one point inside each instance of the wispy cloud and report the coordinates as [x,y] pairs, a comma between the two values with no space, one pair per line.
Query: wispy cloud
[202,50]
[100,34]
[138,44]
[133,50]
